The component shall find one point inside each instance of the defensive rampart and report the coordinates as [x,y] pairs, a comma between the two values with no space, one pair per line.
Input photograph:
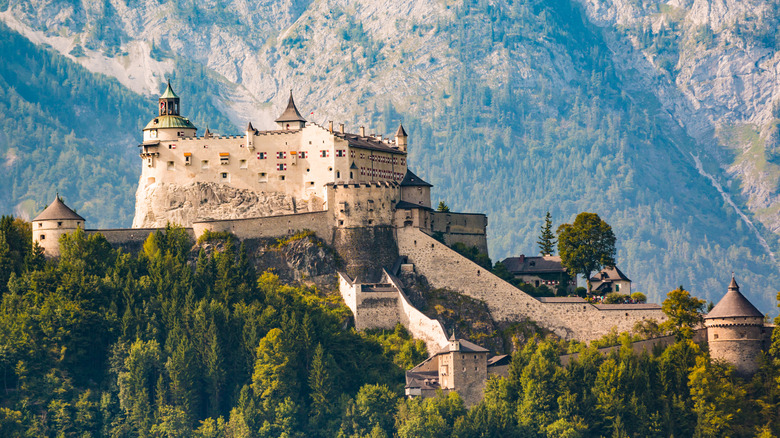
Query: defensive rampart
[469,229]
[271,226]
[445,268]
[131,239]
[420,326]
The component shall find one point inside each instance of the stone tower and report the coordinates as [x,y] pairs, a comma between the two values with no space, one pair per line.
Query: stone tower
[57,219]
[463,368]
[169,124]
[735,331]
[401,138]
[291,118]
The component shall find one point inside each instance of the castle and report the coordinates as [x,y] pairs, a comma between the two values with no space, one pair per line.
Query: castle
[356,193]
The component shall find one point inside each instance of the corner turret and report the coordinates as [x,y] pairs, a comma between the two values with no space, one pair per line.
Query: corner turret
[291,118]
[401,139]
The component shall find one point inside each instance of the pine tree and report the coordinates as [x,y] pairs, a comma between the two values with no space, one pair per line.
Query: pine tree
[547,238]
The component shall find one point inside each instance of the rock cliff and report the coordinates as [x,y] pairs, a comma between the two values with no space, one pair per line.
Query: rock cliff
[160,203]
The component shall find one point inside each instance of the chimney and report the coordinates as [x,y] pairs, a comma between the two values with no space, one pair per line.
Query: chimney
[362,131]
[341,127]
[330,126]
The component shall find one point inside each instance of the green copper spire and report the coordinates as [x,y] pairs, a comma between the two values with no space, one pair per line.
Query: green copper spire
[169,94]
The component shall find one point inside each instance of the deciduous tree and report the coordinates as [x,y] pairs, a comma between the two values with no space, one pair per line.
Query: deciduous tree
[587,245]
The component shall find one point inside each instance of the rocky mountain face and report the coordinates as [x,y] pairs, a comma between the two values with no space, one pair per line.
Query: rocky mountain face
[658,116]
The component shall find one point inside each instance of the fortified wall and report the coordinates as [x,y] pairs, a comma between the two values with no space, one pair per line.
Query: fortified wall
[445,268]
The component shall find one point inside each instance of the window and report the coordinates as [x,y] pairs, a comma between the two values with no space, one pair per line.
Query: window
[59,224]
[170,165]
[281,166]
[43,237]
[262,155]
[341,153]
[351,154]
[40,225]
[243,164]
[617,288]
[224,158]
[281,177]
[350,175]
[180,133]
[324,154]
[262,177]
[303,154]
[204,164]
[187,159]
[338,174]
[281,155]
[153,133]
[224,175]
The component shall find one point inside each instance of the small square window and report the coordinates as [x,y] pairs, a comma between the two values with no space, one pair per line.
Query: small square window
[59,224]
[170,165]
[43,237]
[224,175]
[243,164]
[281,177]
[204,164]
[262,177]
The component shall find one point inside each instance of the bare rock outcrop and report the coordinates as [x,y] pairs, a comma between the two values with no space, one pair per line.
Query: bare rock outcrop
[160,203]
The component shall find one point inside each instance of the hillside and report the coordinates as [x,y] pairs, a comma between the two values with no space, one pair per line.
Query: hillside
[512,109]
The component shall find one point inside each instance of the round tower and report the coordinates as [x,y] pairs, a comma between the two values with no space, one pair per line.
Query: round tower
[169,124]
[57,219]
[734,331]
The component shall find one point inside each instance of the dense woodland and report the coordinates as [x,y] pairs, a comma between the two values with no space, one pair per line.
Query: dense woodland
[178,341]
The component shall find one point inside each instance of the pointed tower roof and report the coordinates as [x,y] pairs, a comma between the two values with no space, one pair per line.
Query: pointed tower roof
[208,133]
[57,210]
[401,132]
[291,113]
[734,305]
[250,128]
[168,94]
[412,180]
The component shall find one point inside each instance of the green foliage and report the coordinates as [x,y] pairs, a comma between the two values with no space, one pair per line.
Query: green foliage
[587,245]
[639,297]
[547,240]
[616,298]
[443,207]
[684,313]
[406,351]
[211,236]
[304,234]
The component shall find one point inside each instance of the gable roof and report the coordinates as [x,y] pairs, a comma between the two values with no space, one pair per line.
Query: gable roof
[534,265]
[412,180]
[734,305]
[610,274]
[291,113]
[57,210]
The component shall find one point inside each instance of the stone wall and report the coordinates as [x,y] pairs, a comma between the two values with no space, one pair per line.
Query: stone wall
[366,251]
[363,205]
[131,239]
[467,228]
[420,326]
[271,226]
[445,268]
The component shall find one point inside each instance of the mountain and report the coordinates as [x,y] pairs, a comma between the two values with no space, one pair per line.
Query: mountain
[657,116]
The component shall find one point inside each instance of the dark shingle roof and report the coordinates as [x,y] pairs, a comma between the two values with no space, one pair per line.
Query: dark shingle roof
[503,359]
[734,305]
[57,210]
[610,274]
[401,132]
[412,180]
[404,205]
[533,265]
[369,143]
[291,113]
[465,346]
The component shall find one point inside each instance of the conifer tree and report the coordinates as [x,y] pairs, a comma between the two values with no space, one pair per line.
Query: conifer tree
[547,240]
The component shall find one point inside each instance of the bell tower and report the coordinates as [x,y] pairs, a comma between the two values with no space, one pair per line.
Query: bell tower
[169,102]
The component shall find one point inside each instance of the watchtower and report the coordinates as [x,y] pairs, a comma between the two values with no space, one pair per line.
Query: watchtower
[57,219]
[734,331]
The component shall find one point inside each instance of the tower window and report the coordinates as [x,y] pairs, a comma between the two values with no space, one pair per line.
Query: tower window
[281,177]
[40,224]
[170,165]
[43,237]
[204,164]
[224,175]
[338,174]
[243,164]
[262,177]
[59,224]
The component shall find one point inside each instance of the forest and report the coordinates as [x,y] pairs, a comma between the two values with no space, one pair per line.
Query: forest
[185,339]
